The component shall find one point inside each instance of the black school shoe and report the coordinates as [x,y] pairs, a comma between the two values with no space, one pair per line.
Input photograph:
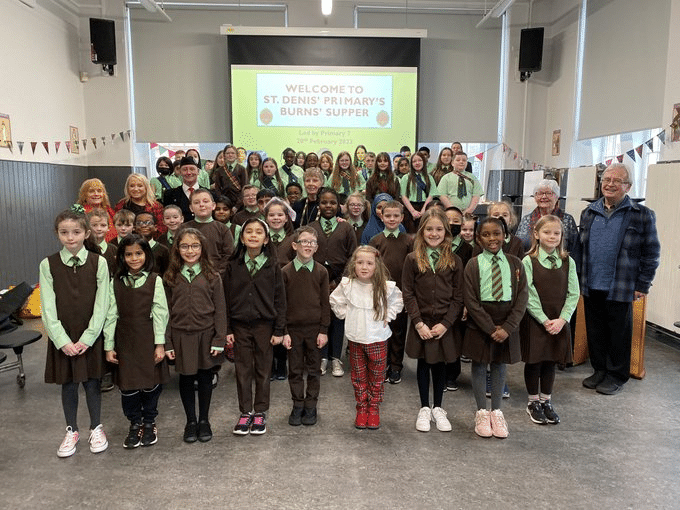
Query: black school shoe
[535,412]
[149,434]
[395,377]
[295,418]
[204,431]
[550,413]
[594,380]
[191,432]
[309,416]
[609,387]
[134,437]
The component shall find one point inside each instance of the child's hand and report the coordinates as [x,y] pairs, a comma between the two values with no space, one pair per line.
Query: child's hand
[423,331]
[170,354]
[81,347]
[158,353]
[464,316]
[287,341]
[70,350]
[321,340]
[230,340]
[438,330]
[554,326]
[500,335]
[112,357]
[276,340]
[416,214]
[214,352]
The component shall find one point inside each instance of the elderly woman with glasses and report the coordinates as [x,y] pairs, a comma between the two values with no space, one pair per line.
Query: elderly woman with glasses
[546,195]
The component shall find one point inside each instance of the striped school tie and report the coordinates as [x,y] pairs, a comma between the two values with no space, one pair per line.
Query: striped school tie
[496,279]
[252,266]
[328,227]
[76,262]
[190,272]
[553,261]
[275,238]
[435,258]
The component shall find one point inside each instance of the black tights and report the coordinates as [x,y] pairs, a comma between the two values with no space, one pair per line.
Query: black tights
[186,393]
[543,372]
[69,401]
[438,382]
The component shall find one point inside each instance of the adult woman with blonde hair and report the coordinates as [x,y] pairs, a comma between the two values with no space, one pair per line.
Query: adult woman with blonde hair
[92,194]
[139,197]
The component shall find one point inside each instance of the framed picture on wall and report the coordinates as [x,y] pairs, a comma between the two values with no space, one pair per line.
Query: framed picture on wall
[556,142]
[675,123]
[75,139]
[5,131]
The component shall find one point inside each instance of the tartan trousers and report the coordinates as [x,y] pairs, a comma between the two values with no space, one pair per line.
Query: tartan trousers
[368,363]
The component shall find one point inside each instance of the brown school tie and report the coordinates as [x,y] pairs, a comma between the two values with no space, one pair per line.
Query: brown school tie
[496,279]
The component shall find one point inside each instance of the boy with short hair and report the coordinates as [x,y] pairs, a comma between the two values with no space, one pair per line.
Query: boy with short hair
[145,226]
[173,219]
[220,242]
[124,221]
[99,223]
[308,317]
[293,192]
[393,246]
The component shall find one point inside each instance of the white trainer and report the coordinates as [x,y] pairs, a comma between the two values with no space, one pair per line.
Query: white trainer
[68,445]
[98,441]
[324,366]
[439,417]
[424,419]
[483,423]
[499,426]
[337,368]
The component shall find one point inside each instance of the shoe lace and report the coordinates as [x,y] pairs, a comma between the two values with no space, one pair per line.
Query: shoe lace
[70,439]
[97,435]
[258,420]
[244,420]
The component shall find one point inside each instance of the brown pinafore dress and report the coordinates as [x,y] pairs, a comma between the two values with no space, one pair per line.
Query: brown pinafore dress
[136,369]
[75,292]
[537,344]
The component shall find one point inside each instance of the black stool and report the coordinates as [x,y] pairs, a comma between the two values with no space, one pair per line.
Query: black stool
[17,340]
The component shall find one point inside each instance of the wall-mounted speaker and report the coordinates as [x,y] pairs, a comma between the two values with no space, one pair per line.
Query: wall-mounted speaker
[531,49]
[103,41]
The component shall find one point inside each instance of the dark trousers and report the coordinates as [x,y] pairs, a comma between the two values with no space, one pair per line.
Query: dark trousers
[609,325]
[304,355]
[396,342]
[336,336]
[253,356]
[141,405]
[453,368]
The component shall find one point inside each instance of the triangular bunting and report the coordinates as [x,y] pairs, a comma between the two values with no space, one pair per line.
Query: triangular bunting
[153,145]
[662,136]
[56,147]
[47,146]
[638,149]
[122,137]
[9,146]
[650,144]
[94,142]
[620,158]
[21,147]
[608,162]
[631,154]
[68,146]
[128,132]
[84,144]
[480,156]
[103,140]
[113,136]
[171,154]
[33,144]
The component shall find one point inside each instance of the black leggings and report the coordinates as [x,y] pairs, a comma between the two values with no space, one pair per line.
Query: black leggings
[438,382]
[186,393]
[69,401]
[543,372]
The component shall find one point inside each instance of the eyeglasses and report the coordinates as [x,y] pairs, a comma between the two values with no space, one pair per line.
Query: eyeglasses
[187,247]
[355,205]
[543,194]
[616,181]
[307,243]
[144,223]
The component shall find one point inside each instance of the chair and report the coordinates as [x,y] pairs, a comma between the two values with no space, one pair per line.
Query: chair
[17,340]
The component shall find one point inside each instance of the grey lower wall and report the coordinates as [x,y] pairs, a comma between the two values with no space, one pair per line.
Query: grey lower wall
[31,195]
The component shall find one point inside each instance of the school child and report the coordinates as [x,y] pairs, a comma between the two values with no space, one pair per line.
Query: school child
[270,178]
[467,229]
[197,328]
[357,214]
[173,219]
[432,281]
[220,243]
[308,316]
[253,167]
[375,223]
[367,301]
[124,223]
[134,338]
[293,192]
[307,209]
[513,244]
[464,251]
[553,296]
[290,169]
[145,226]
[337,242]
[300,158]
[263,198]
[256,308]
[326,166]
[99,224]
[393,247]
[383,180]
[417,189]
[223,210]
[345,179]
[74,297]
[277,216]
[495,296]
[460,187]
[250,209]
[369,165]
[359,160]
[443,165]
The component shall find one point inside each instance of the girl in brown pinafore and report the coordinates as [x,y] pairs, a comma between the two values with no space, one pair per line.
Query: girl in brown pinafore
[134,338]
[74,293]
[553,296]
